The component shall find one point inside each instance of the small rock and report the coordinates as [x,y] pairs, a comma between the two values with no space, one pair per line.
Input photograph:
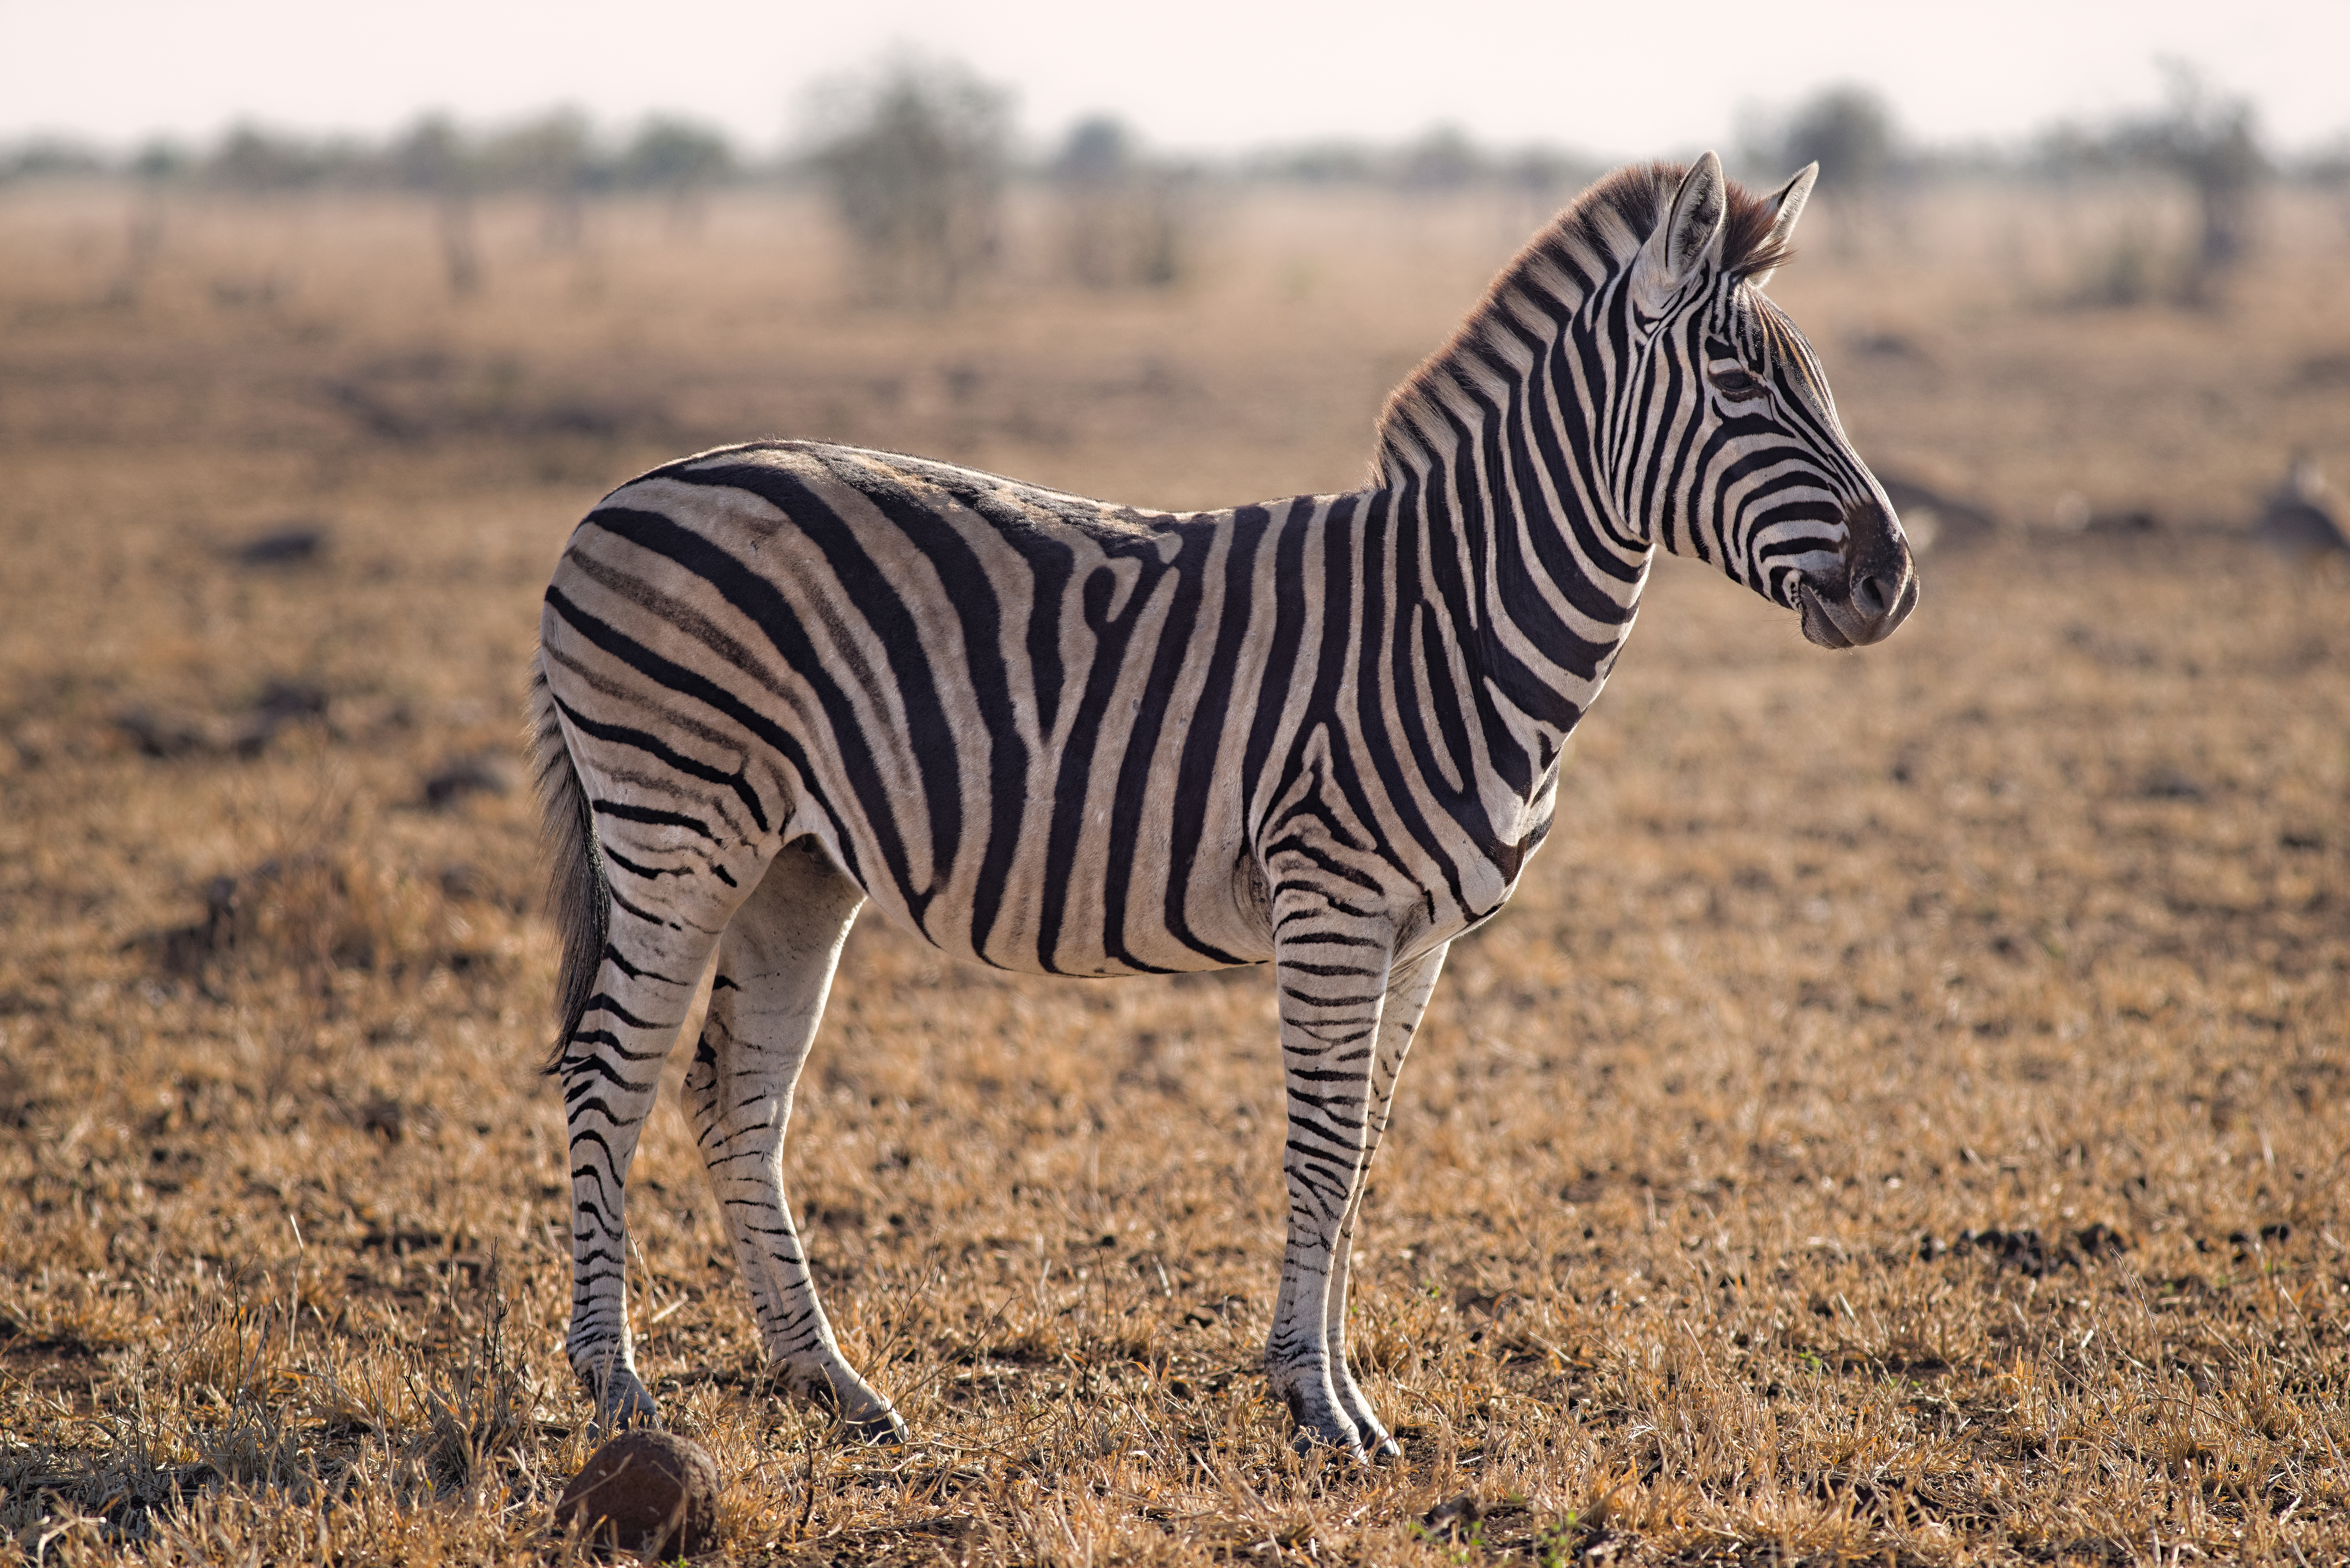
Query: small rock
[2100,1239]
[2075,515]
[2301,516]
[36,742]
[384,1116]
[646,1491]
[2169,784]
[287,544]
[178,732]
[1453,1518]
[286,702]
[487,773]
[1889,346]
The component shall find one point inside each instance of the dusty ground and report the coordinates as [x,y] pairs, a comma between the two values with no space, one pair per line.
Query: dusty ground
[1902,1118]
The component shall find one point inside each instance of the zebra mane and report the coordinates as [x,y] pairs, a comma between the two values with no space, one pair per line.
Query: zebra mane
[1595,237]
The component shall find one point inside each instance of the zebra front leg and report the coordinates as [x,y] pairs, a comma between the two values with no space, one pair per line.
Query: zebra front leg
[610,1066]
[1409,986]
[775,969]
[1332,970]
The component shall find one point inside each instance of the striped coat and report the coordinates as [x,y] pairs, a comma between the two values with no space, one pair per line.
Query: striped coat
[1053,734]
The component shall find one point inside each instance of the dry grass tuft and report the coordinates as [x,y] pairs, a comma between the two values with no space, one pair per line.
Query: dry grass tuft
[1902,1120]
[332,908]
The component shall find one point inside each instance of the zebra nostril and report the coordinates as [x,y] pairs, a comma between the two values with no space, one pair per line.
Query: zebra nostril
[1871,596]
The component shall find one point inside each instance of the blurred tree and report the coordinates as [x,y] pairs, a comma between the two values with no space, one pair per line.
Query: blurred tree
[1548,175]
[1441,159]
[432,157]
[2329,165]
[674,154]
[2209,140]
[161,162]
[916,158]
[553,155]
[251,158]
[46,158]
[2328,170]
[1125,214]
[1099,150]
[154,170]
[1848,131]
[1318,163]
[680,159]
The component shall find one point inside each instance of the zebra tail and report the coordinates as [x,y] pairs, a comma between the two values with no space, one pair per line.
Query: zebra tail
[576,895]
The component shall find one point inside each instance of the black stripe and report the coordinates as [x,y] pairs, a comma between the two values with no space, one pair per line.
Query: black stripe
[1195,773]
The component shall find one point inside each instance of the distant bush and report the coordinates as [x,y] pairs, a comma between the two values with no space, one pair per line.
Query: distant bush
[917,158]
[1442,158]
[50,159]
[2206,139]
[554,157]
[1125,218]
[676,156]
[435,159]
[1848,131]
[251,158]
[559,151]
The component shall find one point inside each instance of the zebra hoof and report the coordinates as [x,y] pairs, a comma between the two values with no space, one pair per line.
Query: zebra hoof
[1308,1444]
[623,1404]
[1305,1445]
[1377,1442]
[885,1430]
[1324,1430]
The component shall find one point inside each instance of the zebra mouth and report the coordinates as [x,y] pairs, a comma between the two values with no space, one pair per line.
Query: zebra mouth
[1819,627]
[1867,614]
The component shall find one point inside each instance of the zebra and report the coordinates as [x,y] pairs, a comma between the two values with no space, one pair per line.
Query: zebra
[780,679]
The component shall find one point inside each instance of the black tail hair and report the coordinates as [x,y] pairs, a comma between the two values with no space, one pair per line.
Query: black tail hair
[576,894]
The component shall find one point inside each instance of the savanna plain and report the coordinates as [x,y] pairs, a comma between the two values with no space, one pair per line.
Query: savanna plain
[1903,1117]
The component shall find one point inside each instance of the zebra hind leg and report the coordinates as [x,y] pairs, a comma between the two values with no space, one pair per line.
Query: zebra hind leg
[774,967]
[640,902]
[610,1065]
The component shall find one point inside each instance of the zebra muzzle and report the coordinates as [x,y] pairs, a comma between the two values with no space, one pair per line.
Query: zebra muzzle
[1873,590]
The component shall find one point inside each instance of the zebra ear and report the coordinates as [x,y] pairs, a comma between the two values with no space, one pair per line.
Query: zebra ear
[1688,238]
[1788,202]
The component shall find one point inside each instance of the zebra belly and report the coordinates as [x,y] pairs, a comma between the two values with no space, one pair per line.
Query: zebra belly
[1078,928]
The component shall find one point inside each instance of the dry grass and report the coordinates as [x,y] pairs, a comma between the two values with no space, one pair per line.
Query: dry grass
[1901,1120]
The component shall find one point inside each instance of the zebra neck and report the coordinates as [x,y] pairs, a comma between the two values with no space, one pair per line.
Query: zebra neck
[1496,439]
[1501,575]
[1556,610]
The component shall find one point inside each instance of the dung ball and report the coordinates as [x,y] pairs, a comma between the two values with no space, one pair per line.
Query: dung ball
[645,1491]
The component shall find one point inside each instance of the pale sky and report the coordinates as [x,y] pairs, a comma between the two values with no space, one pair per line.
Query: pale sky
[1208,76]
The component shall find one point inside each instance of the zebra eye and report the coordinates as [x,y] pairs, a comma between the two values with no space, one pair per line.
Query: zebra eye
[1735,382]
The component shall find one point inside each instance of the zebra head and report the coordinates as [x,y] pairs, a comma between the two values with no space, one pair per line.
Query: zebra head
[1733,452]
